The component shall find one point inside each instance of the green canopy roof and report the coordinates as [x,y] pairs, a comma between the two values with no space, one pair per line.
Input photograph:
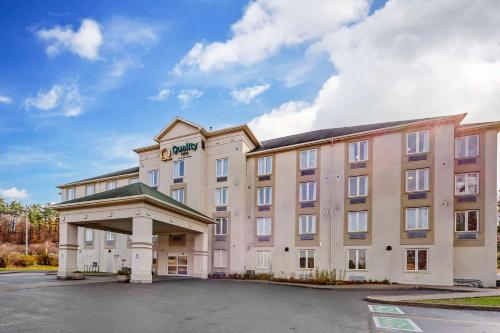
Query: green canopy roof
[133,190]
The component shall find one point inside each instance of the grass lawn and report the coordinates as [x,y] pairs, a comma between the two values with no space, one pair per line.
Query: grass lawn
[488,300]
[30,268]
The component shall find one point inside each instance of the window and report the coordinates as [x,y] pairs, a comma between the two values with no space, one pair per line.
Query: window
[133,180]
[221,226]
[264,226]
[358,186]
[70,193]
[110,185]
[221,196]
[265,165]
[417,142]
[417,180]
[307,224]
[467,221]
[153,178]
[178,169]
[467,183]
[221,167]
[357,221]
[89,235]
[306,259]
[358,151]
[416,260]
[307,191]
[89,189]
[220,258]
[263,259]
[417,218]
[357,259]
[110,236]
[264,196]
[467,146]
[308,159]
[178,194]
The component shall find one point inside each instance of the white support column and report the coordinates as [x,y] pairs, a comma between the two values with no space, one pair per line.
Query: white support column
[201,255]
[142,250]
[68,247]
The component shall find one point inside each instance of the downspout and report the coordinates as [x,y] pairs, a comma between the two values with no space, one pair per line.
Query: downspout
[331,208]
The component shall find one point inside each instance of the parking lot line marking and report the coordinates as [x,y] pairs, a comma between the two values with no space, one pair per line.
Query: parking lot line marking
[458,321]
[395,323]
[385,309]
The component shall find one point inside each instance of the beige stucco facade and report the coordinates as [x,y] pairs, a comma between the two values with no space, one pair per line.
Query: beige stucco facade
[441,253]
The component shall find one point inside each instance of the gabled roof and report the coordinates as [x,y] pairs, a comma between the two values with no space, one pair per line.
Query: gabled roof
[332,133]
[173,123]
[136,190]
[483,125]
[129,171]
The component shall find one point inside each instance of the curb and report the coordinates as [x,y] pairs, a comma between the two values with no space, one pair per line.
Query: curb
[436,305]
[34,271]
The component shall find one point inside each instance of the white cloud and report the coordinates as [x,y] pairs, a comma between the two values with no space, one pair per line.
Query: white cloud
[121,32]
[410,59]
[84,42]
[163,94]
[14,194]
[5,99]
[267,26]
[186,96]
[289,118]
[60,99]
[246,95]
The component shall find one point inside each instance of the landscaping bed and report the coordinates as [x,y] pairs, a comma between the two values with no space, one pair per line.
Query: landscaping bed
[479,301]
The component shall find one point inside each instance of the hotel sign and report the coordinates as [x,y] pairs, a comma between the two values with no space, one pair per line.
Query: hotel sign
[166,153]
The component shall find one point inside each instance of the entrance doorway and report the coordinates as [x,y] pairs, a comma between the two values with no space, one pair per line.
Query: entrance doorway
[177,264]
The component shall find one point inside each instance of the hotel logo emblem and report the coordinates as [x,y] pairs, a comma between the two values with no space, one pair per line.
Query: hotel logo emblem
[166,154]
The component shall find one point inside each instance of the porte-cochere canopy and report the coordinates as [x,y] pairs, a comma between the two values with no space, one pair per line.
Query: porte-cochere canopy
[138,210]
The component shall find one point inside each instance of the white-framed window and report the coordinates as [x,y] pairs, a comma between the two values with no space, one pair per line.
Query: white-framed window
[358,186]
[221,196]
[222,167]
[220,258]
[133,180]
[110,236]
[467,183]
[467,146]
[417,218]
[417,260]
[467,221]
[308,159]
[89,235]
[89,189]
[357,221]
[264,196]
[417,142]
[358,151]
[265,165]
[307,224]
[110,185]
[263,259]
[178,194]
[357,259]
[221,226]
[306,259]
[264,227]
[70,193]
[307,191]
[178,169]
[153,178]
[417,180]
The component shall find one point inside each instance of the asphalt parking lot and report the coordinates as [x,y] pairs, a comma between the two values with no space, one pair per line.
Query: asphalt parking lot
[217,306]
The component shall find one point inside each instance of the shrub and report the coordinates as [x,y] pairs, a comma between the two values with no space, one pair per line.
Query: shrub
[4,259]
[16,259]
[28,260]
[53,260]
[43,258]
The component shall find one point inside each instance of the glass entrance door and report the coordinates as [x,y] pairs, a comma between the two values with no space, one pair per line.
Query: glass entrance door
[177,264]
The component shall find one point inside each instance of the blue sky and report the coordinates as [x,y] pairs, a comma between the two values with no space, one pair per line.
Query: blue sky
[82,83]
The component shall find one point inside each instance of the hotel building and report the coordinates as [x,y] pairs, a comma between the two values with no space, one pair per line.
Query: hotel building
[409,201]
